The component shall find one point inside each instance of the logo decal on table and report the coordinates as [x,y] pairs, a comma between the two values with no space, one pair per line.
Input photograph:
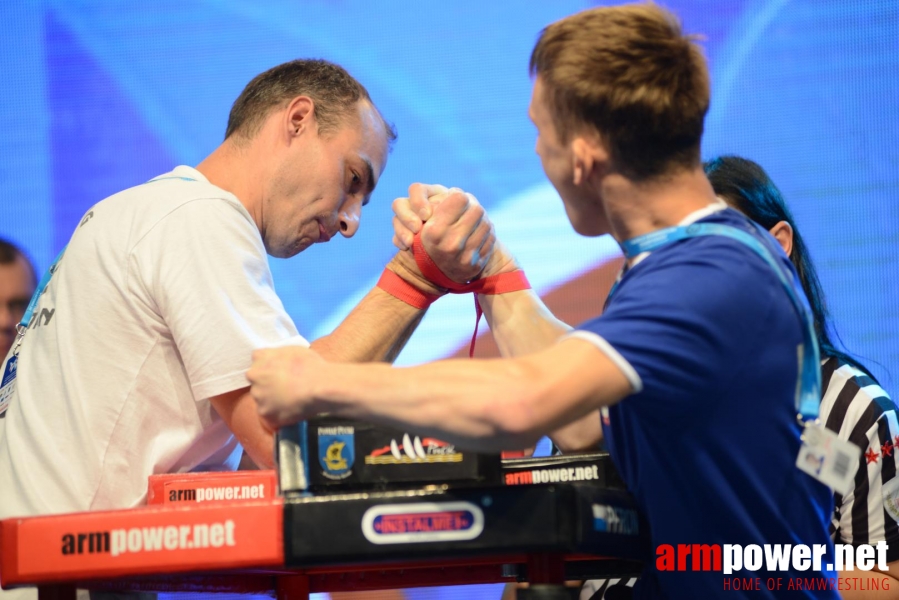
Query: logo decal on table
[414,451]
[336,451]
[422,522]
[612,519]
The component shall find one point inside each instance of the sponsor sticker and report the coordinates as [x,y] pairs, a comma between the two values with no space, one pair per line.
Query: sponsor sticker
[422,522]
[611,519]
[224,486]
[123,543]
[196,492]
[414,451]
[336,451]
[561,474]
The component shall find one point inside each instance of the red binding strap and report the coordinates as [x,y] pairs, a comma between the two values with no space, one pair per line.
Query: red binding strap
[429,268]
[503,283]
[400,289]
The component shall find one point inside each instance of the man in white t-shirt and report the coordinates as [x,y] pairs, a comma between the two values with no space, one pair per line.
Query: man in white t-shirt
[133,362]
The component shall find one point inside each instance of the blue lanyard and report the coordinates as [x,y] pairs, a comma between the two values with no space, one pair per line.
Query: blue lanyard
[45,280]
[41,287]
[808,387]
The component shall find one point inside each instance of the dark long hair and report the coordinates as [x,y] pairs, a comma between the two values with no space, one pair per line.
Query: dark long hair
[746,186]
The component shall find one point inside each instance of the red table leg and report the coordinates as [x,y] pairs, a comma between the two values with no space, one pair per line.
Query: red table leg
[56,592]
[546,568]
[291,587]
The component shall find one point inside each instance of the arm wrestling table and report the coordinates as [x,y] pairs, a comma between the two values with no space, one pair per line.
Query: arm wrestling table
[225,532]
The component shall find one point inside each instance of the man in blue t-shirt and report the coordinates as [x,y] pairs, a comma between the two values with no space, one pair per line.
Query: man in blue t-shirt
[707,443]
[691,372]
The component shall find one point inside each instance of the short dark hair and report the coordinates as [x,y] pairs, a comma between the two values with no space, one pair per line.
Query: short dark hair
[629,73]
[746,186]
[333,90]
[10,253]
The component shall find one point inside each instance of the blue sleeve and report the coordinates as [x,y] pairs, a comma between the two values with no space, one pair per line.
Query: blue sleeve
[688,322]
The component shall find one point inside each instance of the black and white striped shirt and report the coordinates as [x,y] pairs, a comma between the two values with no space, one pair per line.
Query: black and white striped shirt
[860,411]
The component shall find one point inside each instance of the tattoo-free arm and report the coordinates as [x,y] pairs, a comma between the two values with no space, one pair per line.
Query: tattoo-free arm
[522,324]
[238,410]
[377,329]
[486,405]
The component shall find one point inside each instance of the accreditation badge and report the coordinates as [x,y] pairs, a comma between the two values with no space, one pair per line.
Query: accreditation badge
[827,458]
[8,383]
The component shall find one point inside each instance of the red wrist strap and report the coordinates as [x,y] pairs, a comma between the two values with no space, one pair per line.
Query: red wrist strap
[514,281]
[429,268]
[400,289]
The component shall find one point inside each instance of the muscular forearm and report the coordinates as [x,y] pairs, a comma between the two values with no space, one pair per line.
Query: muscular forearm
[376,330]
[479,404]
[520,322]
[238,410]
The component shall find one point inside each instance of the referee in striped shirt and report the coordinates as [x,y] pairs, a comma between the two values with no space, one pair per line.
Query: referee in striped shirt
[852,404]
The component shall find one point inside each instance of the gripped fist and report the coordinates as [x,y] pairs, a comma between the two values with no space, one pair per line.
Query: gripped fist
[282,381]
[455,231]
[410,213]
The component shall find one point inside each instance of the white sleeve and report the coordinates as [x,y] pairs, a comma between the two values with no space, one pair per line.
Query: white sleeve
[205,272]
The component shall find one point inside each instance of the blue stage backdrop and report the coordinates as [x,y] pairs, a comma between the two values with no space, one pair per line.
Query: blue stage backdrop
[99,96]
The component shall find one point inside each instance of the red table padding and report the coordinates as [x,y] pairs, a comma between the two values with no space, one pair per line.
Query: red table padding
[139,541]
[203,488]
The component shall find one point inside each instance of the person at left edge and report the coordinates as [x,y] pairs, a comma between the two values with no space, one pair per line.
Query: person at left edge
[17,283]
[164,291]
